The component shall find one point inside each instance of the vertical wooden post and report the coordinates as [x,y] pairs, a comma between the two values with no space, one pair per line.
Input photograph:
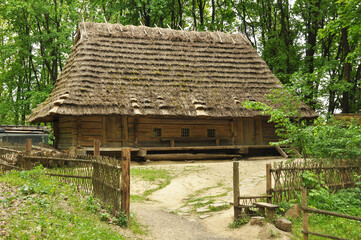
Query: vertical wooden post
[304,215]
[268,181]
[236,193]
[28,146]
[343,174]
[96,147]
[125,201]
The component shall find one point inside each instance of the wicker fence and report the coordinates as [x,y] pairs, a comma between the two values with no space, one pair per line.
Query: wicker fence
[284,180]
[102,176]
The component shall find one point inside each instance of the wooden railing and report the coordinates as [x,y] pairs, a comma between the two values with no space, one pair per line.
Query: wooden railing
[306,210]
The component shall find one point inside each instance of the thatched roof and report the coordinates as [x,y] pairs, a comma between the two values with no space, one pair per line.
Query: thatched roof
[137,70]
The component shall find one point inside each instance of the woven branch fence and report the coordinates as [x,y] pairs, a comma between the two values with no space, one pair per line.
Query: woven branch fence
[99,175]
[284,180]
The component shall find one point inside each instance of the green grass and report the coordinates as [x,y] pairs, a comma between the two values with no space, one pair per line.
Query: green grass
[347,201]
[43,208]
[160,176]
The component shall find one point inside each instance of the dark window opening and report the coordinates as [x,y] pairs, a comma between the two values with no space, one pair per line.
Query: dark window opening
[185,132]
[157,132]
[211,133]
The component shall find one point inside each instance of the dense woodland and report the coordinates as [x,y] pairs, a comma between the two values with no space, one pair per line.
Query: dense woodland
[312,46]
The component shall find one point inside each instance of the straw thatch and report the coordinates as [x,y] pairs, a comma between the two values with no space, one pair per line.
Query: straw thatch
[130,70]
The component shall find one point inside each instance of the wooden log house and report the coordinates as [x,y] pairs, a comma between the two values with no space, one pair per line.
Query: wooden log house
[160,90]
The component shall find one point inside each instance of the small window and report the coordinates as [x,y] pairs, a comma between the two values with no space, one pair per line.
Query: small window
[157,132]
[185,132]
[211,133]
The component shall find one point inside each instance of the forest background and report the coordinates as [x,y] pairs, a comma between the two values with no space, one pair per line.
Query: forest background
[312,46]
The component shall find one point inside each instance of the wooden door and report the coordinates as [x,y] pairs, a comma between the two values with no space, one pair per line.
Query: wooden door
[249,136]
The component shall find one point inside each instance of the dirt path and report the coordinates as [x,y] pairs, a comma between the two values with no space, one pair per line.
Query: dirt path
[181,209]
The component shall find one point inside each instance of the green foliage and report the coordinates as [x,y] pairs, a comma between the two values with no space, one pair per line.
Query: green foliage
[239,222]
[346,201]
[122,220]
[332,139]
[44,208]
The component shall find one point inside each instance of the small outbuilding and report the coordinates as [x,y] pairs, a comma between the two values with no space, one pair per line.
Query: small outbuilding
[160,90]
[17,134]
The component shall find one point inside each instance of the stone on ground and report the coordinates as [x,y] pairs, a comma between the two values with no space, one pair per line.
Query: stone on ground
[203,210]
[293,212]
[284,224]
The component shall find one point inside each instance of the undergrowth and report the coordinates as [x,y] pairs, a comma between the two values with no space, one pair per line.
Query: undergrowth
[345,201]
[44,208]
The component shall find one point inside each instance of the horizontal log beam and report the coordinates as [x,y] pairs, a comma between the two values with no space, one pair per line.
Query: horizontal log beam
[68,176]
[314,210]
[323,235]
[187,156]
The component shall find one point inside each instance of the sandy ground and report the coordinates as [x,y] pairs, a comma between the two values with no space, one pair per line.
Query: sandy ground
[170,214]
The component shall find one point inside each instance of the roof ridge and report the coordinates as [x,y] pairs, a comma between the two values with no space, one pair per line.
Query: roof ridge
[89,29]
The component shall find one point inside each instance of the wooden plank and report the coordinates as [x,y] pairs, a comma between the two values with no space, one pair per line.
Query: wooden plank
[266,205]
[125,129]
[178,121]
[240,134]
[91,118]
[258,131]
[281,152]
[188,156]
[90,125]
[125,182]
[96,148]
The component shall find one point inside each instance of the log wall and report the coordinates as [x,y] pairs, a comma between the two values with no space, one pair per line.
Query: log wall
[119,131]
[171,131]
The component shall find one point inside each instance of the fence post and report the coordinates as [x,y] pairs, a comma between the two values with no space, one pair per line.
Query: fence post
[268,181]
[96,147]
[343,174]
[304,215]
[125,200]
[236,193]
[28,147]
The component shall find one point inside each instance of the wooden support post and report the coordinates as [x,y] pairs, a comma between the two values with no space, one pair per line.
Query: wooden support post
[268,181]
[172,143]
[304,215]
[96,147]
[28,146]
[343,174]
[125,201]
[236,193]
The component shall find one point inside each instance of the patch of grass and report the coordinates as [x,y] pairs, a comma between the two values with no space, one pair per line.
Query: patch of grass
[346,201]
[220,208]
[162,177]
[240,221]
[48,209]
[137,198]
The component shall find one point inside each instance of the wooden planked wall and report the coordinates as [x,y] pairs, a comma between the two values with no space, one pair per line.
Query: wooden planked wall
[118,131]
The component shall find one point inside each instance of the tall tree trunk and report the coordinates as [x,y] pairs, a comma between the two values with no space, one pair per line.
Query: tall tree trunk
[347,71]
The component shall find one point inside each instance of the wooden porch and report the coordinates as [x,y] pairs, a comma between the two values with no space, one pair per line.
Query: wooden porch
[195,152]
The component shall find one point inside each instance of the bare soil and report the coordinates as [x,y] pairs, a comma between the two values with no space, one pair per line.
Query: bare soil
[172,212]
